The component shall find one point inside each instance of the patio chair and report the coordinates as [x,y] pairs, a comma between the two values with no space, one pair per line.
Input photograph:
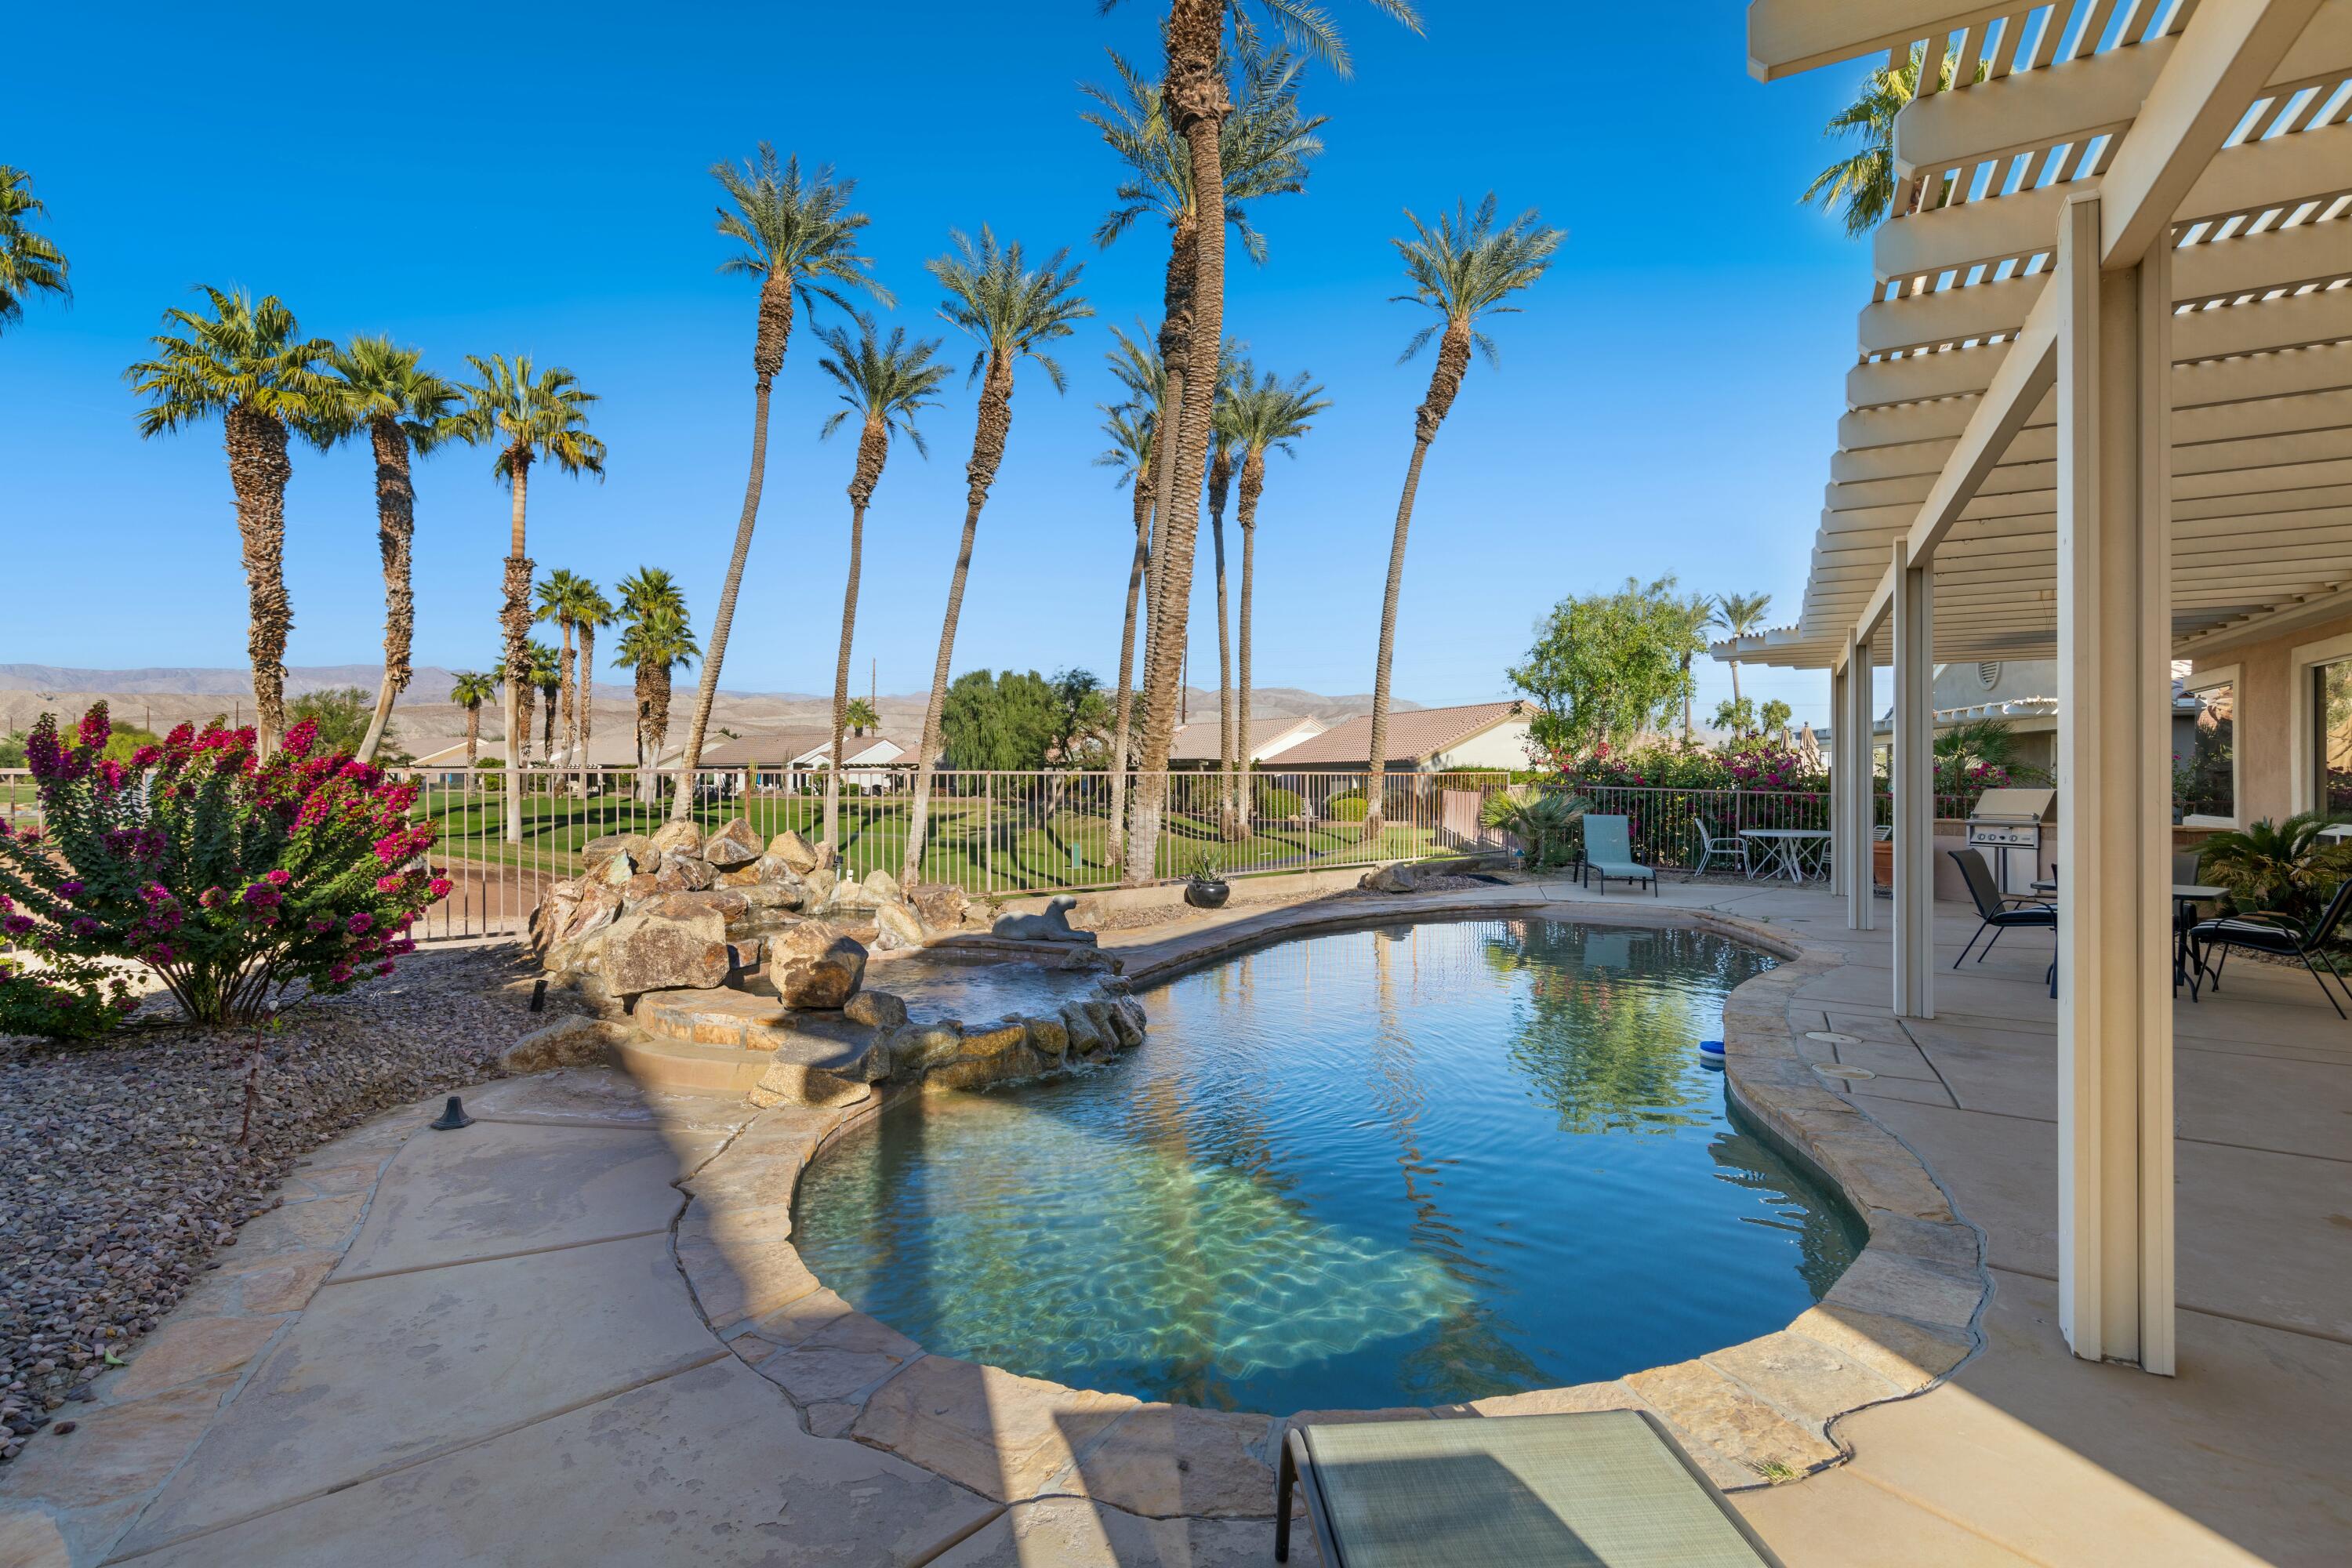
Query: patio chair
[1608,851]
[1710,849]
[2279,936]
[1602,1488]
[1998,913]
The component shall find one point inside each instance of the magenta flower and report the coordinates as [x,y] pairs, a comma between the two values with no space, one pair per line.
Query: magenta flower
[441,886]
[278,878]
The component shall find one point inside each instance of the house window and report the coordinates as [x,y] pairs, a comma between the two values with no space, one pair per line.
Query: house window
[2205,757]
[2331,708]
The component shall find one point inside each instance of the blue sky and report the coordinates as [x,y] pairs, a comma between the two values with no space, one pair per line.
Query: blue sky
[1666,404]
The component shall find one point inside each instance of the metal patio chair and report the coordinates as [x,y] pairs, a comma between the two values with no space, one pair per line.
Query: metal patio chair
[2279,936]
[2000,913]
[1733,850]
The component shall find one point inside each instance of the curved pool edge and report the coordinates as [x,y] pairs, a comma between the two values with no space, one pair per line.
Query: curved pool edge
[1901,1320]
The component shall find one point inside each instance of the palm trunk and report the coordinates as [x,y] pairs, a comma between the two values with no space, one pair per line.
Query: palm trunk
[1687,699]
[988,437]
[775,329]
[395,527]
[1444,385]
[648,781]
[660,688]
[516,620]
[258,470]
[1221,477]
[1735,686]
[566,692]
[1125,708]
[1195,96]
[554,696]
[473,732]
[872,451]
[1253,486]
[587,693]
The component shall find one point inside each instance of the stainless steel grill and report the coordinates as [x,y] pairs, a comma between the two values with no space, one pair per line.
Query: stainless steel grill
[2006,828]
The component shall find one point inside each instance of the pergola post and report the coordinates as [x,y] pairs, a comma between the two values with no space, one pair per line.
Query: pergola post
[2114,772]
[1858,790]
[1843,847]
[1912,773]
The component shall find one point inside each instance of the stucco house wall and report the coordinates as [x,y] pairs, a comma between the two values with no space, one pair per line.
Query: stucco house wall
[2275,725]
[1503,746]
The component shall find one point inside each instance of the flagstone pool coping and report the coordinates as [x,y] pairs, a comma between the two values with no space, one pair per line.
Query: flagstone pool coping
[1900,1321]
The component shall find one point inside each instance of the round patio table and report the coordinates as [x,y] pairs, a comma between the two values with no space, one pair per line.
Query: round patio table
[1782,849]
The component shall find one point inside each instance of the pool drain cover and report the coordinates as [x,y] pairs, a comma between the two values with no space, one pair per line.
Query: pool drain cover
[1833,1072]
[1831,1038]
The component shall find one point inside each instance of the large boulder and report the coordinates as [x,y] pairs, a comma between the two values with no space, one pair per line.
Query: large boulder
[630,847]
[646,951]
[897,928]
[940,906]
[679,837]
[597,907]
[795,852]
[568,1042]
[683,874]
[874,1009]
[737,844]
[819,884]
[814,967]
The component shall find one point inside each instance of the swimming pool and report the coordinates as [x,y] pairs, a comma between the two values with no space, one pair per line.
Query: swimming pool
[1406,1166]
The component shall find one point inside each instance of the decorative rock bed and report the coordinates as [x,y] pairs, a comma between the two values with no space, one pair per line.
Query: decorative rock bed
[723,963]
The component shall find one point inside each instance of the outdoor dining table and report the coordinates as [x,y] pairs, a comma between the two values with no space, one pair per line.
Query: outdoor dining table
[1783,849]
[2183,893]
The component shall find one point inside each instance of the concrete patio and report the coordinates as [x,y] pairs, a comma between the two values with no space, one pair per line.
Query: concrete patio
[504,1346]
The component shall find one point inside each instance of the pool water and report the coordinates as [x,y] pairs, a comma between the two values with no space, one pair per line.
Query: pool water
[1402,1166]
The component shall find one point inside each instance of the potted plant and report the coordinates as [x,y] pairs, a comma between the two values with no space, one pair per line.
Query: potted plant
[1204,884]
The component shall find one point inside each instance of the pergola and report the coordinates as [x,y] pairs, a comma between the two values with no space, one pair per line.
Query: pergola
[2101,410]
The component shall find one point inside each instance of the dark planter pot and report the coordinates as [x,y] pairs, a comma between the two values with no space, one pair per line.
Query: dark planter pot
[1207,895]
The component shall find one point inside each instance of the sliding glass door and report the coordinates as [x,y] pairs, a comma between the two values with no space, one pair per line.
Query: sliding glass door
[2331,752]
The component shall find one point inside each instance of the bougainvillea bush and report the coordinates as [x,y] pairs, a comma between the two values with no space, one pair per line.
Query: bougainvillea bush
[231,877]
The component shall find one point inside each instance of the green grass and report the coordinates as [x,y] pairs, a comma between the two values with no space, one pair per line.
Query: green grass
[979,845]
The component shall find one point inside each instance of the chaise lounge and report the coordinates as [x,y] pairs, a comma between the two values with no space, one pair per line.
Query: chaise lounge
[1603,1489]
[1608,853]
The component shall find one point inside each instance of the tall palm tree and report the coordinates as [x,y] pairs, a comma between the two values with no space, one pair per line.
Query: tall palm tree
[1862,184]
[1267,415]
[884,383]
[1221,483]
[1194,98]
[560,593]
[1464,269]
[1137,364]
[589,610]
[529,415]
[658,639]
[246,361]
[30,262]
[1741,614]
[385,390]
[798,237]
[1013,310]
[547,677]
[1696,614]
[473,688]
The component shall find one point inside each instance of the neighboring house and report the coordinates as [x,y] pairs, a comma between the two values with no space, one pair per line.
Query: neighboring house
[1423,740]
[1271,734]
[796,759]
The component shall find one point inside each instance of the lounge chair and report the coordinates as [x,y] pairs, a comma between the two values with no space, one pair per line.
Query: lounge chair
[1733,851]
[2279,936]
[1608,853]
[1998,913]
[1603,1489]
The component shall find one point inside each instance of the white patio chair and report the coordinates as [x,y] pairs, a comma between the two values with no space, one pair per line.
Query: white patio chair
[1734,850]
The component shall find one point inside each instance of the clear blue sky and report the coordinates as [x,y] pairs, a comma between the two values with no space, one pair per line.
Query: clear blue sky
[538,185]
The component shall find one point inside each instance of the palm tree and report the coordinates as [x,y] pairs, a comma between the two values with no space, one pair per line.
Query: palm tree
[473,689]
[247,363]
[1130,453]
[885,384]
[529,415]
[1464,269]
[1697,615]
[1013,309]
[589,610]
[405,408]
[1194,100]
[798,238]
[29,262]
[560,593]
[1863,180]
[1220,482]
[861,716]
[1267,414]
[547,675]
[1741,614]
[658,639]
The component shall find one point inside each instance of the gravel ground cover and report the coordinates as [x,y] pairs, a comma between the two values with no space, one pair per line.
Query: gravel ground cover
[121,1170]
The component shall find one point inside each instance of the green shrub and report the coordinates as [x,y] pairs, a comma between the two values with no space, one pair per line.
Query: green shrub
[1345,807]
[1281,804]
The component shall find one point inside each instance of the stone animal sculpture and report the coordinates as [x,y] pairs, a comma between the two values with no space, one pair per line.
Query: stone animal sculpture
[1054,925]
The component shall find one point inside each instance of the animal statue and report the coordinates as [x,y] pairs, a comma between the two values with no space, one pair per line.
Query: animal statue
[1054,925]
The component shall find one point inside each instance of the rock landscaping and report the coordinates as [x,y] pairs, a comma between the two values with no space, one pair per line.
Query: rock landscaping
[120,1170]
[722,962]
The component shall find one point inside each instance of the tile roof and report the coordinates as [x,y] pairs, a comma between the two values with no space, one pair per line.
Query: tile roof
[1270,734]
[1413,736]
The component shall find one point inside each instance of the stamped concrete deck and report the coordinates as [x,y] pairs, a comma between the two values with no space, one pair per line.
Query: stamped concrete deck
[576,1331]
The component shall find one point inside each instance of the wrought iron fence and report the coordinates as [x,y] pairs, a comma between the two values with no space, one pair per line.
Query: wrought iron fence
[991,834]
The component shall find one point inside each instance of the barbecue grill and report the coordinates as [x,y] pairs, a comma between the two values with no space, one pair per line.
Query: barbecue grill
[2006,822]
